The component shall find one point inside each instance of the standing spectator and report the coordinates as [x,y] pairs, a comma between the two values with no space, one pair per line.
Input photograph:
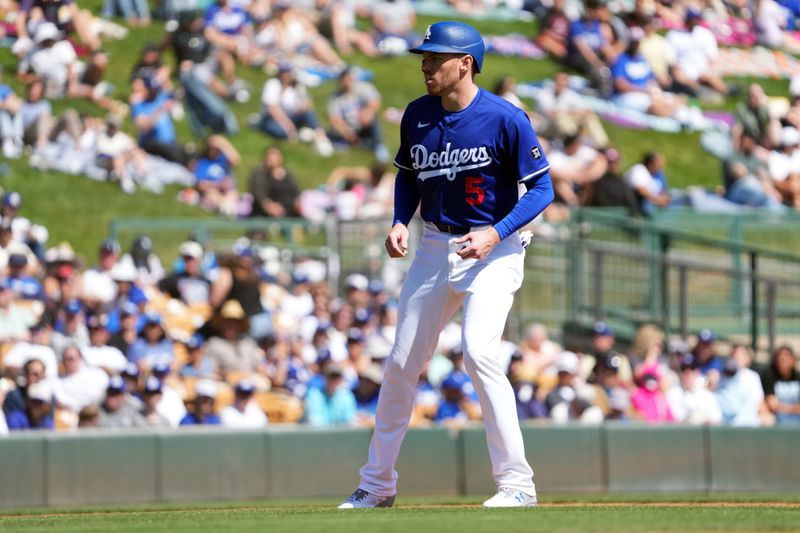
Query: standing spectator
[782,387]
[288,112]
[740,394]
[231,348]
[214,176]
[649,182]
[204,401]
[275,190]
[151,396]
[190,285]
[331,405]
[153,121]
[353,113]
[244,413]
[37,413]
[115,412]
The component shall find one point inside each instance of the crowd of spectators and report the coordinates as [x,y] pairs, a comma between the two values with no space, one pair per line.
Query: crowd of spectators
[238,337]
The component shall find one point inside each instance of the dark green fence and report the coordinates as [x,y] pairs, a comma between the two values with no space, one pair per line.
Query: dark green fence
[92,467]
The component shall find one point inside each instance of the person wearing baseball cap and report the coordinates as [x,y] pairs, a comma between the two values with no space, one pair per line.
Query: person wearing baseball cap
[205,391]
[451,410]
[334,404]
[189,284]
[152,393]
[708,362]
[244,412]
[603,340]
[37,413]
[116,412]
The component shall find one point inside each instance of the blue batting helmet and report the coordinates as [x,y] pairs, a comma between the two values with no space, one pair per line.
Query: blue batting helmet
[453,38]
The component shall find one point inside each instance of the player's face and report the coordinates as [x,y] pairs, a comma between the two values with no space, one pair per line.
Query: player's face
[441,71]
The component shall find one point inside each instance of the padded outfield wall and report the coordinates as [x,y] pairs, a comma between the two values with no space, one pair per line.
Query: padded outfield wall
[93,467]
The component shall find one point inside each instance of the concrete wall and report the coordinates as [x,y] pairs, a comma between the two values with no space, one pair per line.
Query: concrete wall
[209,464]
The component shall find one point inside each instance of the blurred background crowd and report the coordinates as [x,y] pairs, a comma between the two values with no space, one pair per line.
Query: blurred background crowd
[233,337]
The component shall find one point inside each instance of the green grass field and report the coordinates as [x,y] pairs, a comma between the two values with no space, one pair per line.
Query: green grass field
[79,210]
[678,513]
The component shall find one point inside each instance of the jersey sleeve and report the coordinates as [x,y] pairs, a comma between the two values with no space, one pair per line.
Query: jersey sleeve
[403,158]
[524,149]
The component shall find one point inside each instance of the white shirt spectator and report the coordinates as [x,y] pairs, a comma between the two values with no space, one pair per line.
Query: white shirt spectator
[292,99]
[171,406]
[251,418]
[107,357]
[114,145]
[52,64]
[696,406]
[694,50]
[740,398]
[583,157]
[639,177]
[549,103]
[770,20]
[98,285]
[22,352]
[85,387]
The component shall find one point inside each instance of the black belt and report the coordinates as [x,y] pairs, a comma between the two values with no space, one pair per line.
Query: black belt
[450,228]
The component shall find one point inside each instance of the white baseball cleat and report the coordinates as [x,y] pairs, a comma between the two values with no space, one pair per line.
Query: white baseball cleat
[362,499]
[508,497]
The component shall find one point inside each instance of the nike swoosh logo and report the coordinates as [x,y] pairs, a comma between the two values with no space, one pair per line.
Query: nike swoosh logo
[423,124]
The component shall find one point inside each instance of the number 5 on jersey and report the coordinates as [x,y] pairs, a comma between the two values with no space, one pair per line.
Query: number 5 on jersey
[474,192]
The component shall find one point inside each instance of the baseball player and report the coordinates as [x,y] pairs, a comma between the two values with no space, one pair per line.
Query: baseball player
[463,155]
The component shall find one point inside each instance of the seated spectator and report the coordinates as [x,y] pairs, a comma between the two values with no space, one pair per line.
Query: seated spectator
[243,413]
[149,64]
[70,327]
[190,285]
[238,279]
[649,182]
[290,34]
[658,52]
[204,400]
[615,32]
[11,123]
[772,25]
[740,394]
[783,165]
[636,87]
[372,186]
[39,124]
[116,151]
[451,410]
[708,362]
[331,405]
[80,385]
[613,396]
[153,346]
[99,288]
[570,400]
[539,353]
[145,260]
[231,348]
[214,174]
[337,22]
[648,400]
[172,405]
[199,365]
[33,371]
[393,26]
[135,12]
[746,177]
[115,412]
[782,387]
[288,112]
[15,320]
[611,190]
[366,392]
[689,400]
[127,331]
[64,14]
[753,117]
[24,286]
[37,413]
[554,31]
[98,353]
[573,167]
[588,50]
[526,391]
[153,121]
[695,52]
[602,349]
[275,190]
[151,396]
[353,113]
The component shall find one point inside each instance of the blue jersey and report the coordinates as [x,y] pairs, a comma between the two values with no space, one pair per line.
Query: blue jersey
[468,164]
[164,130]
[635,69]
[212,170]
[588,31]
[229,21]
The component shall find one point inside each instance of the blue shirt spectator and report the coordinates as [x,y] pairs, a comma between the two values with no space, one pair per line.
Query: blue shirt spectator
[193,420]
[213,170]
[634,69]
[163,129]
[335,405]
[587,31]
[230,20]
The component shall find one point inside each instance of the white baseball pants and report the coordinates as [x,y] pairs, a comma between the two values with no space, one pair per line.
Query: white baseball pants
[438,282]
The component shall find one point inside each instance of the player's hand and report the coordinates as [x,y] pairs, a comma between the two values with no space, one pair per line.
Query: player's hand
[478,244]
[397,241]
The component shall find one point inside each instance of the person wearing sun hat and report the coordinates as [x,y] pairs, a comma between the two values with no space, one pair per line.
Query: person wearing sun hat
[231,348]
